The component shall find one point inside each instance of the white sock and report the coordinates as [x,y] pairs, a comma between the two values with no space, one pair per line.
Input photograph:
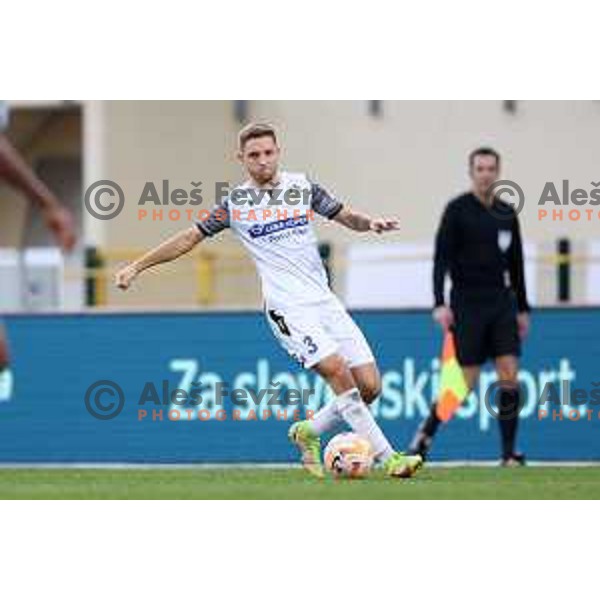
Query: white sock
[326,418]
[6,384]
[357,414]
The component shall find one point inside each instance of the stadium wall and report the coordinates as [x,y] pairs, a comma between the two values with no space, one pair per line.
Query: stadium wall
[406,161]
[58,358]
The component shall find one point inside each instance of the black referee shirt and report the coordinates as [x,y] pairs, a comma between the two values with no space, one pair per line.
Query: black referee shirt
[482,252]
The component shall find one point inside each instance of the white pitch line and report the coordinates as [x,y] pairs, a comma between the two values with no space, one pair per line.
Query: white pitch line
[147,466]
[275,466]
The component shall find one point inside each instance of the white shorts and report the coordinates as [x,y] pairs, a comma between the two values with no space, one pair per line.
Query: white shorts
[311,332]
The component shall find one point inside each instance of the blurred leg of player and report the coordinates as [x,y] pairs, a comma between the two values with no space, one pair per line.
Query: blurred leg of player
[6,378]
[16,172]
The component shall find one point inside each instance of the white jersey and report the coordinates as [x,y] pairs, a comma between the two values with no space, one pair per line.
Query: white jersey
[276,226]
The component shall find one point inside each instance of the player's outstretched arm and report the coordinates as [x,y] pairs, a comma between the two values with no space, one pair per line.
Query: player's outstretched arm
[361,222]
[176,246]
[19,174]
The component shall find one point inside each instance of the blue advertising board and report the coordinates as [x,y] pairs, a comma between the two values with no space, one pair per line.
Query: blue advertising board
[59,360]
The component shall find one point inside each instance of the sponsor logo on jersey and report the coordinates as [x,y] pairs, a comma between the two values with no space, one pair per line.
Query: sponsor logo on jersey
[257,231]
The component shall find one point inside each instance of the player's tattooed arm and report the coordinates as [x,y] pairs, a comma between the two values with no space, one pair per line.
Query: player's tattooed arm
[176,246]
[361,222]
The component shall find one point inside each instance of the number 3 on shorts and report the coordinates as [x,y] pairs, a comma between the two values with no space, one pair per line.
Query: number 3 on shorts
[312,347]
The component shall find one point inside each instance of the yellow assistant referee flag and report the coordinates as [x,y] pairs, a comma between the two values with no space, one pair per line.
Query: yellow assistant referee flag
[453,387]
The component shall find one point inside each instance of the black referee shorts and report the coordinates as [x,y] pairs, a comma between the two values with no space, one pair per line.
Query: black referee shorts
[485,327]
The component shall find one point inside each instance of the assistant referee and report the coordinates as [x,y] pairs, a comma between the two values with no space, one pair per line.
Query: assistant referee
[478,244]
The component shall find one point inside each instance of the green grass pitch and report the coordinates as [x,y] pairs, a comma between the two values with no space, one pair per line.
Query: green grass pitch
[248,483]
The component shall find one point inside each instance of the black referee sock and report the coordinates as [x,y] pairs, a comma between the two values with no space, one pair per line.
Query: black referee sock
[423,438]
[508,420]
[431,423]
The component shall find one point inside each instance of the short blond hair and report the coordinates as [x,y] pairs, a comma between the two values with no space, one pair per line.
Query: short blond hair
[255,130]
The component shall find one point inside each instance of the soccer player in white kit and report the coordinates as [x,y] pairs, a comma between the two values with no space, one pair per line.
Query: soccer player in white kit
[272,214]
